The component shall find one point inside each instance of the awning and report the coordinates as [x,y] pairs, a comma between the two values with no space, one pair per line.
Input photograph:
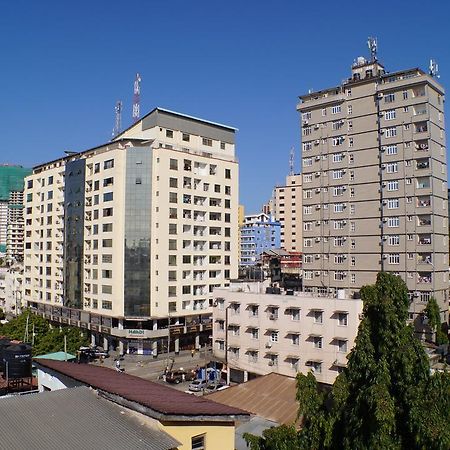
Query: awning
[293,357]
[316,309]
[219,339]
[314,361]
[234,346]
[340,311]
[271,352]
[219,320]
[252,350]
[233,325]
[294,307]
[339,364]
[293,332]
[272,329]
[252,327]
[315,335]
[252,304]
[338,338]
[271,306]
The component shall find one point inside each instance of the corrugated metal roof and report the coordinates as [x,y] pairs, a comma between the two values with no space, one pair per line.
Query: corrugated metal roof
[271,397]
[75,419]
[157,397]
[57,356]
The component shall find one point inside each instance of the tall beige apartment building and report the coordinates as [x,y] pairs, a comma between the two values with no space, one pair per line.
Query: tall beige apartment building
[375,184]
[287,209]
[130,238]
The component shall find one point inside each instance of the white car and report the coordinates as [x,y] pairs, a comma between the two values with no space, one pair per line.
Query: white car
[197,385]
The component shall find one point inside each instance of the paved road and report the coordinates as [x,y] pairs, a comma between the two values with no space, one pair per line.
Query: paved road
[149,368]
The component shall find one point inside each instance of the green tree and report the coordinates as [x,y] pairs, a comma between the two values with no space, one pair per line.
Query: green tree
[434,321]
[385,398]
[46,339]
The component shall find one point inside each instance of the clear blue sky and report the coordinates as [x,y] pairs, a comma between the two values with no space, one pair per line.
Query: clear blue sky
[242,63]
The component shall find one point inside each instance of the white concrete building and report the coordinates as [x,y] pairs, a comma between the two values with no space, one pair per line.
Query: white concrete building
[256,333]
[130,238]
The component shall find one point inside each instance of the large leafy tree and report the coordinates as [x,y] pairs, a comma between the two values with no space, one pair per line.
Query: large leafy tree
[386,398]
[434,321]
[46,339]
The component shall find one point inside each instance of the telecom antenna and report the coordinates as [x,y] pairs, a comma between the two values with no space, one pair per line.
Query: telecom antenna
[291,162]
[118,119]
[373,46]
[434,69]
[137,98]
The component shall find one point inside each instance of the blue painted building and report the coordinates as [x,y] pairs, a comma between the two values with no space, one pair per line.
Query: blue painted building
[258,234]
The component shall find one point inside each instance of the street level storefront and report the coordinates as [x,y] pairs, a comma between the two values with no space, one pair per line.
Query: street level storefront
[142,336]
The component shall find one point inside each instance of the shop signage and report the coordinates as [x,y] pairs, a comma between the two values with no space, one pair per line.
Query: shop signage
[135,333]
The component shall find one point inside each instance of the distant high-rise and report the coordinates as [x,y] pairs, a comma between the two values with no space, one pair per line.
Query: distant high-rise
[11,211]
[375,184]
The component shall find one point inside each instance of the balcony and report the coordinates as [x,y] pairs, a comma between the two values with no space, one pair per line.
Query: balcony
[423,202]
[421,145]
[424,277]
[423,183]
[420,127]
[422,164]
[424,239]
[424,221]
[424,258]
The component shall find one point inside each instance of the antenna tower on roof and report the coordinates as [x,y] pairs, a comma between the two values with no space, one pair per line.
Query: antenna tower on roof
[137,98]
[434,69]
[373,47]
[118,119]
[291,162]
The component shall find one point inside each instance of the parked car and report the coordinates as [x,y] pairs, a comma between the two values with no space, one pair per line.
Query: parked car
[198,385]
[214,387]
[177,376]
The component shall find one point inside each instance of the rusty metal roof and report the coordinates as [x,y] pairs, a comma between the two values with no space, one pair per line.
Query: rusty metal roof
[271,397]
[157,397]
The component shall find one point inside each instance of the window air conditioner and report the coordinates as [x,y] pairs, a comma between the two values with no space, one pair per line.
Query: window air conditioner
[318,222]
[380,95]
[270,363]
[317,272]
[317,174]
[317,158]
[317,239]
[269,345]
[381,114]
[317,190]
[317,142]
[316,126]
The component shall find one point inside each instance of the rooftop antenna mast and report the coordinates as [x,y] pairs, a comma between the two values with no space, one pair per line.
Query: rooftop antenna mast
[373,47]
[137,98]
[291,162]
[118,119]
[434,69]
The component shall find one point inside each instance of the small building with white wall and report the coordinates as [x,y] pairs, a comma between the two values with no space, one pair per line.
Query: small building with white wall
[286,332]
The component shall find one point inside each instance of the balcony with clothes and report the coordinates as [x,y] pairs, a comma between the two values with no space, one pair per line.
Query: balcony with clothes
[213,259]
[199,216]
[215,231]
[215,245]
[200,246]
[423,163]
[424,258]
[187,214]
[215,216]
[200,290]
[187,199]
[421,127]
[199,261]
[199,201]
[199,275]
[199,231]
[421,145]
[215,202]
[424,220]
[424,239]
[187,183]
[200,169]
[424,277]
[424,201]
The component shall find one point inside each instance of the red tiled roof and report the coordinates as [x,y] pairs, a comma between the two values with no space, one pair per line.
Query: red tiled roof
[157,397]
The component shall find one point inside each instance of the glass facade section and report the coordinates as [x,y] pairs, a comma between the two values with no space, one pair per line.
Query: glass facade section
[74,233]
[137,232]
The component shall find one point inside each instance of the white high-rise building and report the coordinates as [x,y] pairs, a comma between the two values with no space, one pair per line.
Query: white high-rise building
[130,238]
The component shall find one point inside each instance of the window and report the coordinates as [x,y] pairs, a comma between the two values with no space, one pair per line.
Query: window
[339,207]
[393,222]
[337,141]
[198,442]
[389,98]
[172,228]
[307,209]
[106,289]
[274,336]
[339,224]
[339,275]
[307,162]
[307,178]
[173,182]
[173,164]
[336,109]
[173,198]
[337,157]
[339,241]
[169,133]
[318,316]
[392,185]
[307,193]
[107,227]
[405,95]
[107,196]
[337,124]
[324,112]
[340,259]
[108,164]
[338,190]
[391,149]
[389,114]
[393,203]
[318,341]
[307,146]
[390,132]
[307,242]
[228,173]
[107,212]
[338,174]
[307,131]
[342,345]
[306,115]
[394,240]
[394,258]
[392,168]
[207,142]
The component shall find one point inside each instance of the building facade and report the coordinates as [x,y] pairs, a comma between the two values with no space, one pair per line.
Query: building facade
[287,209]
[11,211]
[257,333]
[258,233]
[375,184]
[129,239]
